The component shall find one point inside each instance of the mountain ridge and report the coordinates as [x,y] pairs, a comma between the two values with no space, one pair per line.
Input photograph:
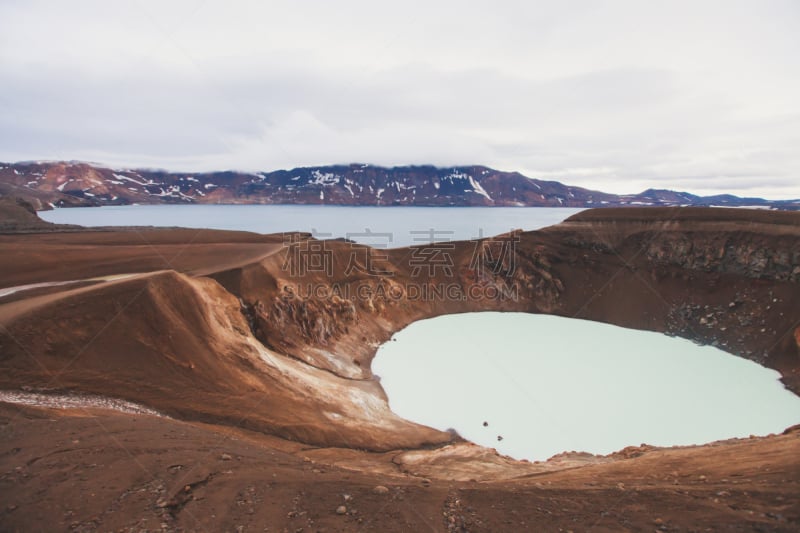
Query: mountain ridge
[48,184]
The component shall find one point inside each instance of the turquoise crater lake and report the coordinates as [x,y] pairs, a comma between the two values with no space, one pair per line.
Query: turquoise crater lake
[549,384]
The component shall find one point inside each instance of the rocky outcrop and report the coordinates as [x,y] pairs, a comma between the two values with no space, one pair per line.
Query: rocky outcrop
[748,257]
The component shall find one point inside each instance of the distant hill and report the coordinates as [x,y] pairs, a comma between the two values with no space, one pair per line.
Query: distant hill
[66,184]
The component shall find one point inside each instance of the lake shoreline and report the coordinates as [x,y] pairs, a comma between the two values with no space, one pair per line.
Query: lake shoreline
[520,388]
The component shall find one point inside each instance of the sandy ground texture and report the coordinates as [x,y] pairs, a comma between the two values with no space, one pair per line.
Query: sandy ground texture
[98,470]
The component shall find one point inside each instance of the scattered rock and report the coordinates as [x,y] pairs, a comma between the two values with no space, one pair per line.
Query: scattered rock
[341,510]
[225,457]
[380,489]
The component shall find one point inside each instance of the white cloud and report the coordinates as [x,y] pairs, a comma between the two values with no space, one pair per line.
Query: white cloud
[616,95]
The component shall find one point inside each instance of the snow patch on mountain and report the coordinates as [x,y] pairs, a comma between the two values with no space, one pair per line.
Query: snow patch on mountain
[478,189]
[325,179]
[126,178]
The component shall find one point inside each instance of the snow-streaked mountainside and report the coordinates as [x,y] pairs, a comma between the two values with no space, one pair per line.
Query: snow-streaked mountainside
[48,184]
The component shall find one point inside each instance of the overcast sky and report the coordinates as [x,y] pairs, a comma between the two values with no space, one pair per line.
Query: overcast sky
[617,96]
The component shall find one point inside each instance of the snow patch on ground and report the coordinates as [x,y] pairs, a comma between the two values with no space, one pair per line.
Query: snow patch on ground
[75,401]
[20,288]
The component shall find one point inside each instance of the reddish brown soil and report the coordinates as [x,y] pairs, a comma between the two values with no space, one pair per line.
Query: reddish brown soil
[274,412]
[71,255]
[93,470]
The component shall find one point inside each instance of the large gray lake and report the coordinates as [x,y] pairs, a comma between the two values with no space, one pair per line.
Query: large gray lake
[544,384]
[391,226]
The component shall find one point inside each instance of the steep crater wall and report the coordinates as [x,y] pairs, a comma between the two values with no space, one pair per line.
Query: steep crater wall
[715,276]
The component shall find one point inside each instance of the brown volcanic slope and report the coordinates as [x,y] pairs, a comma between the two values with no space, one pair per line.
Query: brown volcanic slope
[214,329]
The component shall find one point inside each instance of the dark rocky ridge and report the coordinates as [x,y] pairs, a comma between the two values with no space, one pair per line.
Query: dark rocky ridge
[80,184]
